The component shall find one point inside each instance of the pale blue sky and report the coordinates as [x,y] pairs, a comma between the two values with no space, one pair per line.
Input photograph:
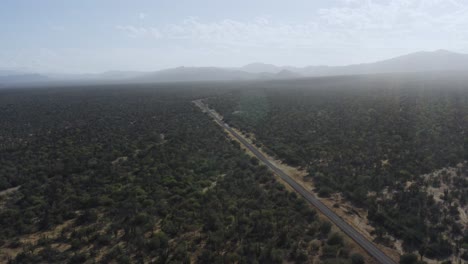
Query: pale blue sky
[101,35]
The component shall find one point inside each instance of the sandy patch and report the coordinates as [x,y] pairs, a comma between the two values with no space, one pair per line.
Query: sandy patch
[9,191]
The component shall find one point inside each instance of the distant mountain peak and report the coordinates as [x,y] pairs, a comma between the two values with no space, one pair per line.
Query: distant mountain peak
[258,67]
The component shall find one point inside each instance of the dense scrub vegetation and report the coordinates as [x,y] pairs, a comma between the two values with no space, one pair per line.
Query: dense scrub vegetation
[138,174]
[371,139]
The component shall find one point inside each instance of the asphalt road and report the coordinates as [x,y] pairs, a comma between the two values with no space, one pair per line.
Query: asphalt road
[367,245]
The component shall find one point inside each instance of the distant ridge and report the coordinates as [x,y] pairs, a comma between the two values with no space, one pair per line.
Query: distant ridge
[23,78]
[258,67]
[184,74]
[432,61]
[440,60]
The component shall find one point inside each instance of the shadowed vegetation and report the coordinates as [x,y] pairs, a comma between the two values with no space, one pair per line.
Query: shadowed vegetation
[139,174]
[371,139]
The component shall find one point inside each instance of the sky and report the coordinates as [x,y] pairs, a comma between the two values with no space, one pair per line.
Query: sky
[88,36]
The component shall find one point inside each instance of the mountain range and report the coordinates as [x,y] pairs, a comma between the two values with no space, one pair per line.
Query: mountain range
[434,61]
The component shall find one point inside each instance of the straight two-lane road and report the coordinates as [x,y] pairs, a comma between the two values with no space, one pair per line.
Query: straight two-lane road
[367,245]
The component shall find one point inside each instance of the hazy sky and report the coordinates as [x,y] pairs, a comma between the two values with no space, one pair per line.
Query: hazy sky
[100,35]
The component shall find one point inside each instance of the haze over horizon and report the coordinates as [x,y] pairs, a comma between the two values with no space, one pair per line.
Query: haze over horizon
[89,36]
